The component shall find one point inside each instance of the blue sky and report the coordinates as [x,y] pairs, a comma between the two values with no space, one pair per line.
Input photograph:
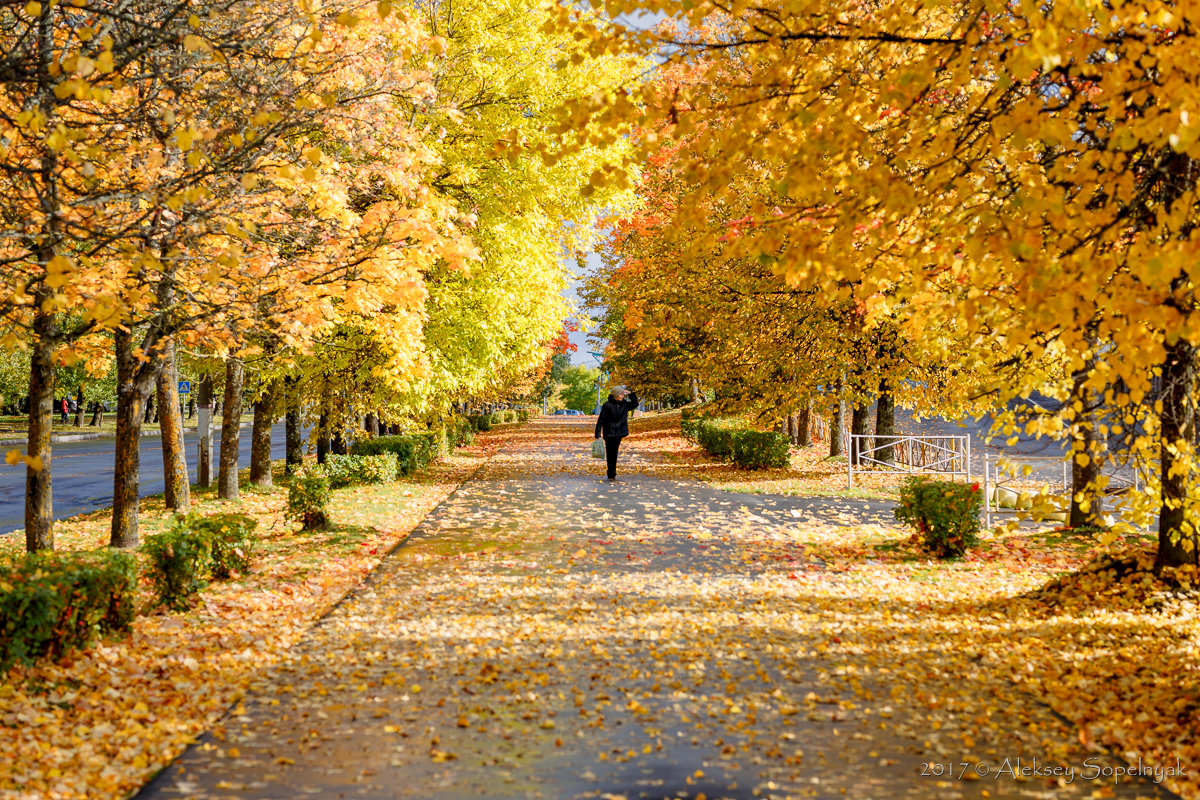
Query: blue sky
[640,20]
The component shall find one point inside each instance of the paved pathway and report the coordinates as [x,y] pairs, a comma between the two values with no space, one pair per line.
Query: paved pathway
[547,634]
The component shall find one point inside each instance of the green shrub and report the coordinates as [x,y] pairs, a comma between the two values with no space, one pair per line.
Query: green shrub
[179,562]
[352,469]
[760,450]
[308,501]
[511,416]
[481,422]
[231,540]
[441,443]
[716,435]
[496,418]
[945,514]
[464,431]
[54,602]
[408,449]
[689,421]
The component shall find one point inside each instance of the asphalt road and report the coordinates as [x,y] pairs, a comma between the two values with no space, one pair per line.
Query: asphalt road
[83,474]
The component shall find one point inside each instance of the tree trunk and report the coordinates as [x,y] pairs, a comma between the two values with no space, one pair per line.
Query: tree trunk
[97,415]
[148,417]
[134,381]
[80,404]
[836,422]
[860,425]
[292,434]
[260,437]
[204,432]
[39,497]
[323,423]
[1177,544]
[177,492]
[372,424]
[885,423]
[1086,502]
[804,425]
[227,478]
[337,444]
[191,405]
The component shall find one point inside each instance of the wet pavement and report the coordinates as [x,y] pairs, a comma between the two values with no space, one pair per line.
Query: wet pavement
[547,634]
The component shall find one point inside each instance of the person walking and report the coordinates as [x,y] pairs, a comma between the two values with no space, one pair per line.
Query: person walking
[613,424]
[63,407]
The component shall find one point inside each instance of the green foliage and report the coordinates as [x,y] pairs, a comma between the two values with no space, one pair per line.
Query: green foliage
[308,501]
[716,435]
[579,388]
[496,418]
[690,418]
[945,514]
[350,469]
[231,540]
[54,602]
[179,562]
[760,449]
[463,429]
[413,451]
[195,548]
[481,422]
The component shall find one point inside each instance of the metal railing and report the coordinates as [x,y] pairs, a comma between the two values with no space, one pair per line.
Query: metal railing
[908,455]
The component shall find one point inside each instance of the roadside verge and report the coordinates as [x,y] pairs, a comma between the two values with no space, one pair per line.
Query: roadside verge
[102,721]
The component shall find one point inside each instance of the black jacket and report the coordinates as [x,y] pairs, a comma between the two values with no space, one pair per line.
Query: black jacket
[614,417]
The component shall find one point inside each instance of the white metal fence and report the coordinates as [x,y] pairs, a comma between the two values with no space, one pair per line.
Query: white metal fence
[908,455]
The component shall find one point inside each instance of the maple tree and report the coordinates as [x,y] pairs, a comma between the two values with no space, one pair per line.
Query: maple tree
[1014,176]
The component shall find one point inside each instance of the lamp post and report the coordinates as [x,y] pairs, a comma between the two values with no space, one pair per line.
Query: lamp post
[599,378]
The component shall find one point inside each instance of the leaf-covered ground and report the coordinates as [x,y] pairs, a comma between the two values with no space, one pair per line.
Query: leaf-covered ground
[547,634]
[100,722]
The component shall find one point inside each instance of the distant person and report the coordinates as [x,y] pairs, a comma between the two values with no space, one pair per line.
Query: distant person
[63,407]
[613,424]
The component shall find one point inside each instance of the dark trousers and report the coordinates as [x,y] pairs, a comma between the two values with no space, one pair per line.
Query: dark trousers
[611,446]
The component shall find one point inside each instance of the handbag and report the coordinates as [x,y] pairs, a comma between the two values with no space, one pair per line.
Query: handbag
[597,448]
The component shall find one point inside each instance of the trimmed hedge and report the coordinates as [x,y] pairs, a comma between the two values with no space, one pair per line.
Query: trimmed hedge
[464,430]
[760,450]
[51,603]
[232,540]
[179,563]
[689,420]
[481,422]
[731,439]
[308,501]
[716,435]
[414,451]
[195,549]
[945,514]
[355,468]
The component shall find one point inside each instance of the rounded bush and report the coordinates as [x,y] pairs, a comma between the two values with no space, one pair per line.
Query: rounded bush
[945,514]
[308,501]
[760,449]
